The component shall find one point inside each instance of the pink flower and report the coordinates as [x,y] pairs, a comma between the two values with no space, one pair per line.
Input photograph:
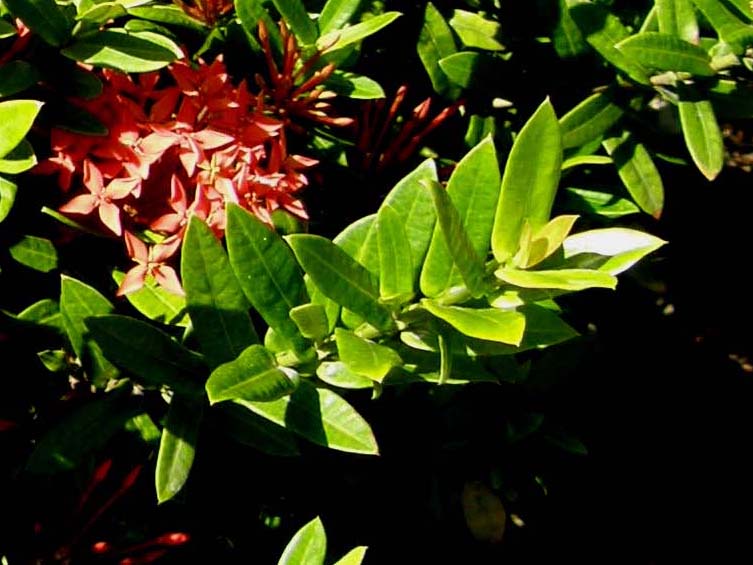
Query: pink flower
[150,262]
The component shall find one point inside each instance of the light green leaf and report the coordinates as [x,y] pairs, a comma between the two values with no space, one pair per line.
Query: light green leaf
[562,279]
[7,197]
[16,119]
[45,312]
[311,320]
[354,86]
[16,76]
[395,261]
[476,31]
[504,326]
[589,120]
[677,17]
[267,273]
[136,52]
[294,14]
[338,39]
[170,15]
[731,30]
[567,39]
[320,416]
[435,42]
[148,353]
[20,159]
[340,278]
[308,546]
[359,240]
[579,160]
[331,308]
[663,52]
[469,69]
[529,182]
[544,242]
[336,14]
[703,137]
[638,172]
[599,203]
[623,247]
[252,376]
[215,300]
[35,252]
[101,13]
[44,17]
[156,303]
[177,447]
[250,429]
[354,556]
[364,357]
[744,7]
[337,374]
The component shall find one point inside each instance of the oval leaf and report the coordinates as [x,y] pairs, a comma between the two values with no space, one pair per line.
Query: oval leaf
[703,137]
[15,77]
[663,52]
[354,86]
[35,252]
[336,373]
[336,13]
[20,159]
[476,31]
[170,15]
[16,118]
[435,42]
[623,247]
[294,14]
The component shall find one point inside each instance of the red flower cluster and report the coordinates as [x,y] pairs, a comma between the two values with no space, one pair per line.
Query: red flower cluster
[175,148]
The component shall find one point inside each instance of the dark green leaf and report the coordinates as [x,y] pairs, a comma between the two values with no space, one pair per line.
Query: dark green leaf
[45,312]
[170,15]
[35,252]
[677,17]
[476,31]
[469,69]
[16,76]
[589,120]
[20,159]
[295,15]
[156,303]
[143,425]
[504,326]
[365,357]
[7,29]
[436,42]
[7,197]
[16,118]
[54,360]
[354,86]
[336,14]
[177,447]
[567,39]
[395,261]
[663,52]
[44,17]
[700,129]
[252,430]
[308,546]
[79,301]
[638,172]
[338,39]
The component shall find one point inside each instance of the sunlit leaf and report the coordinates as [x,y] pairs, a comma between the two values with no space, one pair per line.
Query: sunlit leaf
[307,547]
[505,326]
[16,118]
[177,447]
[638,172]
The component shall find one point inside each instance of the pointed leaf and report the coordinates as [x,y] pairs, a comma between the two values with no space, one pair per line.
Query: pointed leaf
[311,320]
[395,261]
[435,42]
[546,241]
[267,273]
[15,77]
[16,118]
[45,312]
[743,7]
[589,120]
[354,556]
[320,416]
[336,14]
[7,197]
[365,357]
[44,17]
[338,39]
[529,182]
[624,247]
[663,52]
[703,137]
[677,17]
[476,31]
[504,326]
[295,15]
[340,278]
[35,252]
[100,13]
[177,447]
[563,279]
[638,172]
[156,303]
[308,546]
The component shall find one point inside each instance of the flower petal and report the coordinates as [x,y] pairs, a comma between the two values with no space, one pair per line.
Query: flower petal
[168,279]
[136,248]
[93,177]
[133,280]
[109,213]
[84,204]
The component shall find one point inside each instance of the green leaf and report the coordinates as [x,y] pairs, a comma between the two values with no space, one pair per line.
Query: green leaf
[137,52]
[250,13]
[320,416]
[504,326]
[364,357]
[7,29]
[340,278]
[79,301]
[336,373]
[7,197]
[599,203]
[567,39]
[731,100]
[250,429]
[359,240]
[170,15]
[43,17]
[354,556]
[36,253]
[638,172]
[331,308]
[45,312]
[743,7]
[77,120]
[16,119]
[308,546]
[336,14]
[437,272]
[395,262]
[435,42]
[87,429]
[602,31]
[731,30]
[215,300]
[543,328]
[252,376]
[469,69]
[101,13]
[311,320]
[354,86]
[177,447]
[529,182]
[20,159]
[589,120]
[143,425]
[476,31]
[338,39]
[677,17]
[294,14]
[579,160]
[16,76]
[562,279]
[663,52]
[623,247]
[156,303]
[267,273]
[700,129]
[148,353]
[544,242]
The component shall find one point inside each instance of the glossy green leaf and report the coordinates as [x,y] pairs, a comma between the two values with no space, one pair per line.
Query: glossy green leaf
[148,353]
[215,300]
[435,42]
[308,546]
[364,357]
[85,430]
[156,303]
[20,159]
[254,375]
[250,13]
[338,39]
[251,429]
[504,326]
[16,76]
[589,120]
[469,69]
[35,252]
[619,248]
[359,240]
[267,273]
[599,203]
[337,374]
[664,52]
[603,30]
[562,279]
[331,308]
[170,15]
[677,17]
[395,261]
[703,137]
[354,86]
[137,52]
[529,182]
[311,320]
[437,273]
[102,12]
[476,31]
[544,242]
[567,39]
[320,416]
[177,447]
[340,278]
[354,556]
[16,119]
[7,197]
[637,172]
[581,160]
[43,17]
[336,14]
[295,15]
[731,30]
